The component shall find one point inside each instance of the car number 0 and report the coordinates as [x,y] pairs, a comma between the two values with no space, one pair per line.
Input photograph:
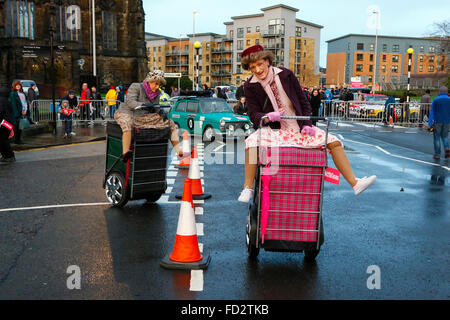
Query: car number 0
[190,124]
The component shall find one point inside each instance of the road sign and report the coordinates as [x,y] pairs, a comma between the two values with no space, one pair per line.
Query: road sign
[172,75]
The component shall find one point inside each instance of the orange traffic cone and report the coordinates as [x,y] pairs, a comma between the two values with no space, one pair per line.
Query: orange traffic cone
[391,122]
[194,176]
[186,254]
[186,162]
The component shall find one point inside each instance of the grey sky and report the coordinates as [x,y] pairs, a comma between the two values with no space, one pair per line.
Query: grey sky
[399,18]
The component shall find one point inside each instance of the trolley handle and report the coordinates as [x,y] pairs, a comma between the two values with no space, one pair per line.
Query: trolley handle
[297,118]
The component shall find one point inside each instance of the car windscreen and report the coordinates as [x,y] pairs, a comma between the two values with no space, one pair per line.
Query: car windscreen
[231,95]
[213,106]
[27,83]
[375,98]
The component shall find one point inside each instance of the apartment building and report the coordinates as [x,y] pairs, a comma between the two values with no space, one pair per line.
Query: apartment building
[294,42]
[354,55]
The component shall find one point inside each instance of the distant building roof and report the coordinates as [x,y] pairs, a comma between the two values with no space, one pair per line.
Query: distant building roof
[280,6]
[310,23]
[379,36]
[248,16]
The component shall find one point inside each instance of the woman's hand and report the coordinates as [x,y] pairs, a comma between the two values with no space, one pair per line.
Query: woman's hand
[275,116]
[308,131]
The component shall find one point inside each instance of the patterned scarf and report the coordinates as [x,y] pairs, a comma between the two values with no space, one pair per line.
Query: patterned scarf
[269,86]
[149,93]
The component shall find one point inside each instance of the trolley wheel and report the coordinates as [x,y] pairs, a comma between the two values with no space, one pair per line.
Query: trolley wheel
[154,197]
[250,233]
[310,255]
[115,190]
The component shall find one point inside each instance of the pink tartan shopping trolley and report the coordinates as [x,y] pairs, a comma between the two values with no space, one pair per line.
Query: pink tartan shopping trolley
[286,212]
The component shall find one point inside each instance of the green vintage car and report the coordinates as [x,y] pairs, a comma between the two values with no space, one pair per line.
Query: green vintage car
[209,117]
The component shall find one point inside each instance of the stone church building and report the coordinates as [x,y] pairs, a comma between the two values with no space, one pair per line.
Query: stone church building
[25,28]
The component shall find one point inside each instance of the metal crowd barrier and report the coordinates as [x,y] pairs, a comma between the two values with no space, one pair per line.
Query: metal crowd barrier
[412,113]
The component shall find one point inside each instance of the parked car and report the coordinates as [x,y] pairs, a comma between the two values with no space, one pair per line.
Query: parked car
[26,84]
[372,106]
[209,117]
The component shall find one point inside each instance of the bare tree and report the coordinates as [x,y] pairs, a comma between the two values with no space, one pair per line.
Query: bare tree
[441,30]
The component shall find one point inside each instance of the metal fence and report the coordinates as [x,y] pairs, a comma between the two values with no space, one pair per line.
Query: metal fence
[412,113]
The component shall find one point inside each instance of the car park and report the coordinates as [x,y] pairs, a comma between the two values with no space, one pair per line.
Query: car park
[209,117]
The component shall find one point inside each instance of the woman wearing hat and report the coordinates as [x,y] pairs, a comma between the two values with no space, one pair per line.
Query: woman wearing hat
[276,92]
[111,101]
[139,94]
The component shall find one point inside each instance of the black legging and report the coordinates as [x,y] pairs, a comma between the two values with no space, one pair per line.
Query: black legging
[5,147]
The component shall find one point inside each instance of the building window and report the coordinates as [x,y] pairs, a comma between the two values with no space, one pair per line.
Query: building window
[371,57]
[360,46]
[372,47]
[431,59]
[395,58]
[383,68]
[430,68]
[68,23]
[359,68]
[371,68]
[432,49]
[20,19]
[370,79]
[421,68]
[298,44]
[421,58]
[395,68]
[240,32]
[384,58]
[304,54]
[359,57]
[109,23]
[207,69]
[240,44]
[249,30]
[384,47]
[248,42]
[298,31]
[305,30]
[422,49]
[256,41]
[396,48]
[257,29]
[231,34]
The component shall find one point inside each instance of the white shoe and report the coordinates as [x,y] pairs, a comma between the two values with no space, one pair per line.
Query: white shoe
[73,134]
[363,184]
[246,195]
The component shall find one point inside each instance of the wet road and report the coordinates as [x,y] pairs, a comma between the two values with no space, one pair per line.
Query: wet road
[406,234]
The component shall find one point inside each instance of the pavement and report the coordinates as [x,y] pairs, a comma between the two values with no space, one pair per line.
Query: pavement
[55,215]
[40,136]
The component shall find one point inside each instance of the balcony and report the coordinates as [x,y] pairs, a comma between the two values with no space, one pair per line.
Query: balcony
[274,46]
[177,53]
[221,61]
[176,63]
[220,73]
[222,50]
[267,34]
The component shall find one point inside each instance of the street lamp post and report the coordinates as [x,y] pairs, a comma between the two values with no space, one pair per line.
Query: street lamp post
[376,54]
[197,46]
[193,40]
[410,53]
[179,63]
[51,31]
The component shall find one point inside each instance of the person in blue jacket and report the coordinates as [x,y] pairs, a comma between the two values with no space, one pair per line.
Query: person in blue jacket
[440,121]
[389,109]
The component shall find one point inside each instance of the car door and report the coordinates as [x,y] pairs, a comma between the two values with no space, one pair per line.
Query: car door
[179,114]
[192,117]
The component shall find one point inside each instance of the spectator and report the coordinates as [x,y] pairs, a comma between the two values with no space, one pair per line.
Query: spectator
[32,96]
[204,87]
[120,94]
[389,109]
[111,101]
[19,108]
[6,122]
[425,103]
[241,107]
[66,117]
[85,102]
[175,92]
[97,104]
[440,121]
[315,104]
[350,96]
[73,104]
[359,96]
[240,91]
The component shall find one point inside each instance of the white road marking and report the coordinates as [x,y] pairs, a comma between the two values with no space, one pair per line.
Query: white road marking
[172,173]
[401,157]
[199,201]
[170,181]
[198,211]
[58,206]
[196,280]
[169,190]
[200,232]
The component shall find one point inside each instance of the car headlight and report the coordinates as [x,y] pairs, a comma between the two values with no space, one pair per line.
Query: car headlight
[247,126]
[231,128]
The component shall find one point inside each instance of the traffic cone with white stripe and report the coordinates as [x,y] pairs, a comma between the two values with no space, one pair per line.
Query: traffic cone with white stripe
[194,176]
[186,162]
[186,253]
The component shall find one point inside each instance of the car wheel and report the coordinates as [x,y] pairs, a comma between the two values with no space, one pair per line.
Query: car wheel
[115,190]
[208,134]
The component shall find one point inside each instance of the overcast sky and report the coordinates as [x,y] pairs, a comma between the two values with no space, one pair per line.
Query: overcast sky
[398,18]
